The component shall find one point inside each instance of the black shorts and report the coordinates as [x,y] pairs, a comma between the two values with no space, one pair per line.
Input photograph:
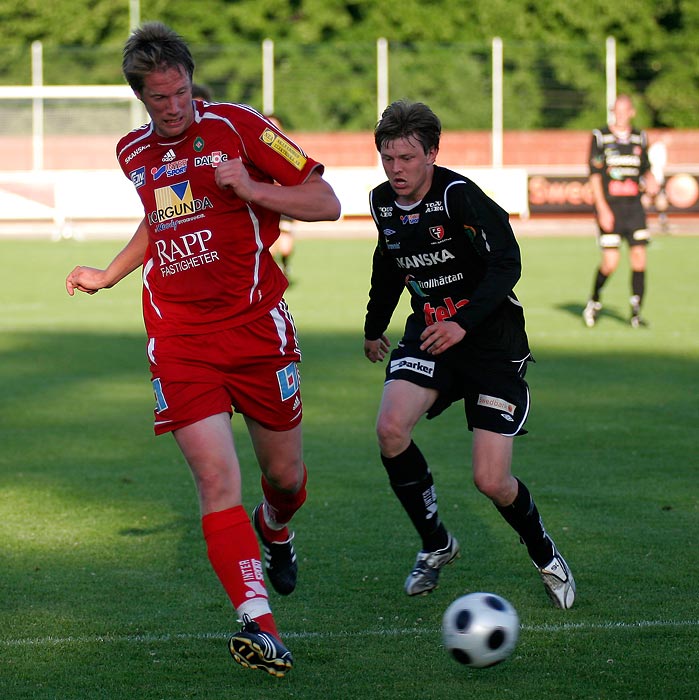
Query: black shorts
[495,394]
[629,225]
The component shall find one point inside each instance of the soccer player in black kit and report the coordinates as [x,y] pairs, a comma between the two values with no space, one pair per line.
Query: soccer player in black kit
[452,247]
[619,164]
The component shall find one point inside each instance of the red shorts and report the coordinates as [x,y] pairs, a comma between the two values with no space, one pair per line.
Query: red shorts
[251,369]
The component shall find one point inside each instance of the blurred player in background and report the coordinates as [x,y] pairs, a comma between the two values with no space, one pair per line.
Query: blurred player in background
[452,247]
[619,166]
[657,154]
[201,92]
[283,247]
[213,180]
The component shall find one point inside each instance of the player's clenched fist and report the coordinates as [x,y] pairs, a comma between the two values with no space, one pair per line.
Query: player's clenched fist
[232,174]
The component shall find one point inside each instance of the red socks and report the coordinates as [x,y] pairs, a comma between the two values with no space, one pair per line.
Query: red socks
[235,554]
[280,507]
[235,557]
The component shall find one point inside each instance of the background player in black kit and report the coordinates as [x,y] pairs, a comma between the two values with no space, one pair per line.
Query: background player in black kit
[453,248]
[618,161]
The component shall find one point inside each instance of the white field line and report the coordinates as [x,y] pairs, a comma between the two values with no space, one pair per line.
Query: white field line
[162,638]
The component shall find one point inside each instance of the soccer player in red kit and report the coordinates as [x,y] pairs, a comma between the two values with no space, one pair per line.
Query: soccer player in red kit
[214,180]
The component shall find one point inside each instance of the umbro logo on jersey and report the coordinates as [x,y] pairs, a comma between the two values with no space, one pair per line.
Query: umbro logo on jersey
[170,155]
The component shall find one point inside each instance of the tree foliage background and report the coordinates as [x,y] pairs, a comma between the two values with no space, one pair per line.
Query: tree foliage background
[440,53]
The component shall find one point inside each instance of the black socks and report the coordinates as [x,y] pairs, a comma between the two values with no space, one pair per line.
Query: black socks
[523,516]
[413,484]
[600,279]
[638,284]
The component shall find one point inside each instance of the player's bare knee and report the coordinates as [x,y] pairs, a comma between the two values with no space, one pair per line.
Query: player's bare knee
[215,486]
[286,477]
[392,437]
[494,488]
[392,443]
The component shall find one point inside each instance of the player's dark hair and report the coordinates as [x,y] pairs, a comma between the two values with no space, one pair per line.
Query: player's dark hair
[154,47]
[201,92]
[403,119]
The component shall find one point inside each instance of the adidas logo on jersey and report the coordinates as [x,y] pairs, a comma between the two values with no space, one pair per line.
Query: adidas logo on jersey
[169,156]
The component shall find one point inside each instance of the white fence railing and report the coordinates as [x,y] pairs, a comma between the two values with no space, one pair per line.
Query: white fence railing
[39,94]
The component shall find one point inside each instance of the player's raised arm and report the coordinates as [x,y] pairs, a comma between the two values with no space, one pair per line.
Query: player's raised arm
[91,279]
[312,200]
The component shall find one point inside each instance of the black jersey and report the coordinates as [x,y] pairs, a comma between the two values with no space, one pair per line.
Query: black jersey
[457,255]
[621,161]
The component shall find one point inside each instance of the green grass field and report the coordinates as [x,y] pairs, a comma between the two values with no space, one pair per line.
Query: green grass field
[106,591]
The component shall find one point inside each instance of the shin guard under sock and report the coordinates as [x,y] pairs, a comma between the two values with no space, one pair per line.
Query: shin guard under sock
[522,515]
[412,482]
[235,557]
[600,279]
[638,284]
[279,508]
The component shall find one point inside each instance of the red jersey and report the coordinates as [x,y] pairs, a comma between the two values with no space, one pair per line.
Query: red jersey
[208,265]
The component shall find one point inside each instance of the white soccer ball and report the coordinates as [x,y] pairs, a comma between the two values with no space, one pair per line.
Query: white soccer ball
[480,629]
